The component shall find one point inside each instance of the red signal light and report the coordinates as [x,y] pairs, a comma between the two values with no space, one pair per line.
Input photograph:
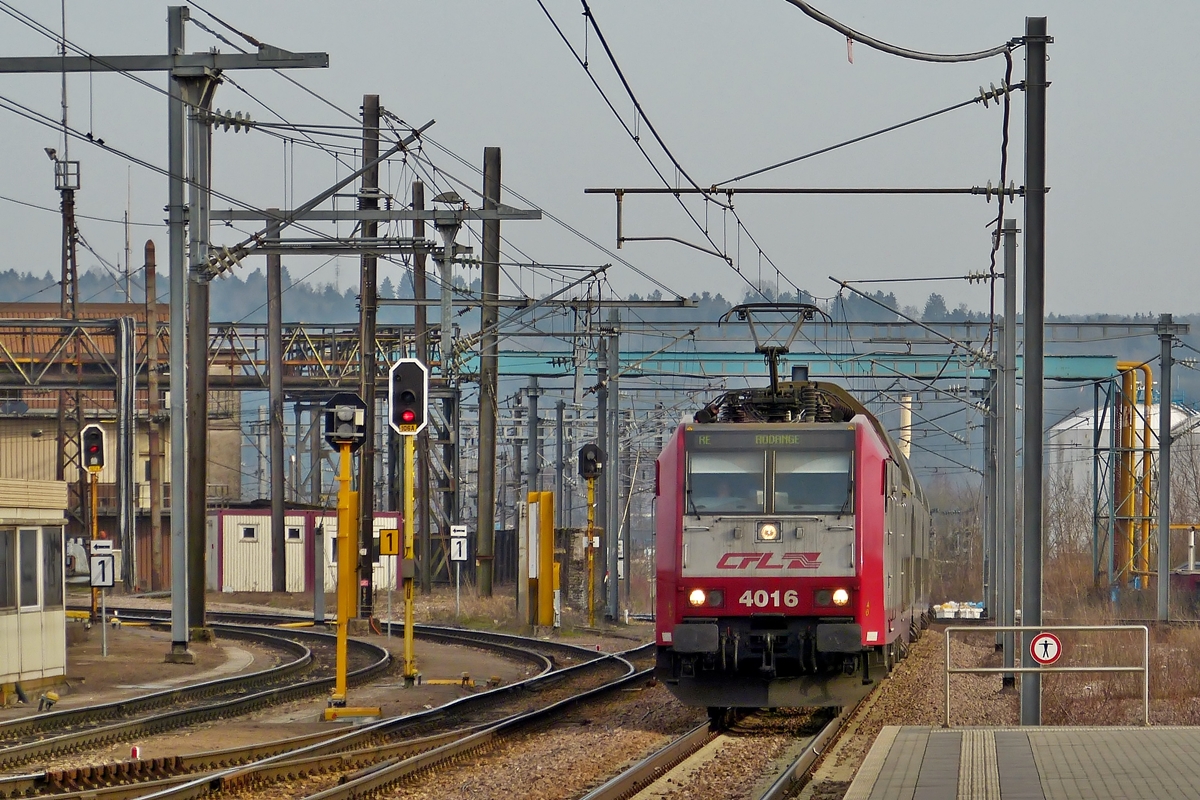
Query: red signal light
[408,416]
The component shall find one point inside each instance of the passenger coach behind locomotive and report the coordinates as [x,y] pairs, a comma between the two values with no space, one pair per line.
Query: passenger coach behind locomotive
[793,547]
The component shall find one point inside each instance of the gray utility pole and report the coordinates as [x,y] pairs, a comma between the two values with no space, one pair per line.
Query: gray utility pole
[186,71]
[560,505]
[489,373]
[314,453]
[199,91]
[1035,306]
[989,498]
[1008,449]
[1166,336]
[601,496]
[421,337]
[368,198]
[613,483]
[275,412]
[154,443]
[533,470]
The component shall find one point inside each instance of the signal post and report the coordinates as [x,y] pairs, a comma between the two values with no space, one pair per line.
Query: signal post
[344,422]
[92,447]
[408,393]
[591,464]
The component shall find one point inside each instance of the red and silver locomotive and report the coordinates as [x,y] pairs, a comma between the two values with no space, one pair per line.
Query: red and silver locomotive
[792,550]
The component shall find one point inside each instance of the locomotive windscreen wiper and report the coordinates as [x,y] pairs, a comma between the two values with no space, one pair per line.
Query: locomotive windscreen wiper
[692,503]
[849,494]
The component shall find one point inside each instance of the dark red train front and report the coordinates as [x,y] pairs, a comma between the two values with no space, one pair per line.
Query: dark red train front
[792,547]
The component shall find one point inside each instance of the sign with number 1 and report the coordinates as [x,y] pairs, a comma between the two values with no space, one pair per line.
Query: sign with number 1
[458,548]
[102,570]
[389,542]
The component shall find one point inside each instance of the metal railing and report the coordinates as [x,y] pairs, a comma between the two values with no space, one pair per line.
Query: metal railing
[1144,668]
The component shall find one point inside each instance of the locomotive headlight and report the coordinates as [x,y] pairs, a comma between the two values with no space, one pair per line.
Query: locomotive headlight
[768,532]
[823,597]
[840,597]
[697,597]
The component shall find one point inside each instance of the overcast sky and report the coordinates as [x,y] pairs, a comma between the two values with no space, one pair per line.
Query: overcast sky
[731,86]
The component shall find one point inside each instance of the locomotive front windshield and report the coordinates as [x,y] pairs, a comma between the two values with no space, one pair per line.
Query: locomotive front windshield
[802,472]
[727,482]
[812,482]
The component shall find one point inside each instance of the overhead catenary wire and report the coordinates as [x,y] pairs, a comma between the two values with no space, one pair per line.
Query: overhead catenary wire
[896,50]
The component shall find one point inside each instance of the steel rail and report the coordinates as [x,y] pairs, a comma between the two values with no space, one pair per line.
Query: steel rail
[141,775]
[795,773]
[54,720]
[162,773]
[654,766]
[385,776]
[143,726]
[252,773]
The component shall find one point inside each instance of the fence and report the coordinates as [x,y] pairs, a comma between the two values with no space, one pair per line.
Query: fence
[1144,668]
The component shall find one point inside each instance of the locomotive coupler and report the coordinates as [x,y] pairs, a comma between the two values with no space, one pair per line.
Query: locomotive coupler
[768,656]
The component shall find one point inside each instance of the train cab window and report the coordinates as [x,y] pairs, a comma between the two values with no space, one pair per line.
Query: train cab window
[813,482]
[726,483]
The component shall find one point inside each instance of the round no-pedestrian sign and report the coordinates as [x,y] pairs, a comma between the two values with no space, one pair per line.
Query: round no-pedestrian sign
[1045,648]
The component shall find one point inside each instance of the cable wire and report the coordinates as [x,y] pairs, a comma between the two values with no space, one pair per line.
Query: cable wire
[902,52]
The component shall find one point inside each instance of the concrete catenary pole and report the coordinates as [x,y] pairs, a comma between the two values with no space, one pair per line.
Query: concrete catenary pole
[199,140]
[368,198]
[991,490]
[1166,337]
[488,373]
[421,338]
[275,408]
[613,483]
[153,436]
[533,468]
[1008,449]
[560,504]
[1035,305]
[601,496]
[176,232]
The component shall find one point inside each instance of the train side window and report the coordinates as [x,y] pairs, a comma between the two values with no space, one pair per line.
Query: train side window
[8,569]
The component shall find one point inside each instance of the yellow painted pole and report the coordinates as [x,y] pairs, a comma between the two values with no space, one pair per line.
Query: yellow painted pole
[591,553]
[545,556]
[95,484]
[410,659]
[346,589]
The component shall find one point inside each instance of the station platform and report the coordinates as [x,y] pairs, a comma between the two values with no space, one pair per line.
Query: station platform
[922,763]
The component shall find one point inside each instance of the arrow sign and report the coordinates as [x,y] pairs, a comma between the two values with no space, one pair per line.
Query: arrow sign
[1045,648]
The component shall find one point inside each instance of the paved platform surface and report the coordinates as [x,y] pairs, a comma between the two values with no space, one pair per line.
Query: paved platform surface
[919,763]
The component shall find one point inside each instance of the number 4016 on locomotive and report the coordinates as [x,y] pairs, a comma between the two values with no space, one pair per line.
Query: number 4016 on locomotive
[792,550]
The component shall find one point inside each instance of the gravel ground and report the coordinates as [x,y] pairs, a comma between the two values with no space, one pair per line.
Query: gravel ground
[507,706]
[915,695]
[567,759]
[736,766]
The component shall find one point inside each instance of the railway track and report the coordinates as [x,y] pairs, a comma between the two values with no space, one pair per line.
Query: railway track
[76,730]
[309,754]
[380,745]
[656,774]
